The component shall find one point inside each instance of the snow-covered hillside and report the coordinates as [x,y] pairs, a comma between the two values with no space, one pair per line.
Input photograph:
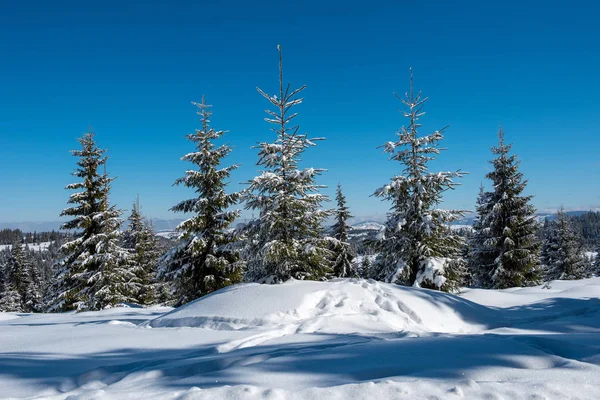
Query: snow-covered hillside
[343,339]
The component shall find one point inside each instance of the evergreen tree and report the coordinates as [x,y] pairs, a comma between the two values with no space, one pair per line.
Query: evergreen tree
[507,227]
[140,239]
[481,256]
[11,297]
[286,240]
[562,252]
[93,264]
[366,266]
[207,260]
[341,249]
[29,281]
[418,247]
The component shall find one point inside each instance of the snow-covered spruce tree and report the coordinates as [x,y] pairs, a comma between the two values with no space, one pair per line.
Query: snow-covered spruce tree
[562,252]
[11,296]
[206,260]
[366,267]
[341,249]
[508,224]
[93,272]
[286,240]
[481,256]
[30,283]
[418,247]
[140,240]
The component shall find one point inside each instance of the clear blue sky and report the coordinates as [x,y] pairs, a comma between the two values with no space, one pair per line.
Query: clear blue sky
[131,68]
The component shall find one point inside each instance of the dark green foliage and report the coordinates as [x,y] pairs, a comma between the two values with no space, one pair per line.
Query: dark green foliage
[562,252]
[206,261]
[94,273]
[341,249]
[140,240]
[505,248]
[286,240]
[418,246]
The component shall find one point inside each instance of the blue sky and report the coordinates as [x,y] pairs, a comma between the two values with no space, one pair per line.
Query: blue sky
[130,70]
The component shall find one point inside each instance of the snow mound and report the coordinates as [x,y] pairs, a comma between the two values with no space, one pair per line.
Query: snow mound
[4,316]
[340,306]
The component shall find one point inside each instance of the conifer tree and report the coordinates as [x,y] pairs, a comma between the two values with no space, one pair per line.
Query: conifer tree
[366,266]
[562,252]
[206,261]
[29,281]
[93,266]
[341,249]
[286,240]
[140,240]
[11,296]
[508,225]
[481,256]
[418,247]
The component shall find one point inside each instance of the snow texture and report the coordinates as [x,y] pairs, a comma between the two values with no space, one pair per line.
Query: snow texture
[343,339]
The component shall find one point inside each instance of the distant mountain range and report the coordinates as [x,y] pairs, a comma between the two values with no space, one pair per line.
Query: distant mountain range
[169,225]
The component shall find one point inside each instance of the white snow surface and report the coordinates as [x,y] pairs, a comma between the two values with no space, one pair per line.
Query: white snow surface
[31,246]
[343,339]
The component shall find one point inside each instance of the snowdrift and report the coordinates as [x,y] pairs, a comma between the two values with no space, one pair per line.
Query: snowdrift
[338,306]
[4,316]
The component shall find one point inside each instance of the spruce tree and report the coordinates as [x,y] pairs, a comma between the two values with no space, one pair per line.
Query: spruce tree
[140,240]
[366,267]
[206,261]
[341,249]
[92,266]
[508,225]
[562,252]
[418,247]
[481,256]
[11,296]
[286,240]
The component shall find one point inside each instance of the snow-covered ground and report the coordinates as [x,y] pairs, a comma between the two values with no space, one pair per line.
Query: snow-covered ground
[32,246]
[344,339]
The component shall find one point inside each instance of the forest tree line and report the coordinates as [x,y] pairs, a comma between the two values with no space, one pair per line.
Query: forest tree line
[104,265]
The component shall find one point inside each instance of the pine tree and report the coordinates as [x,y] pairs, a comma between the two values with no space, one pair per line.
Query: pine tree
[481,256]
[366,267]
[30,284]
[207,260]
[562,252]
[93,266]
[508,226]
[341,249]
[140,240]
[418,247]
[286,240]
[11,297]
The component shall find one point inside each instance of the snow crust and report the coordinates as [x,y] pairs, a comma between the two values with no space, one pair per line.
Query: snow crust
[344,339]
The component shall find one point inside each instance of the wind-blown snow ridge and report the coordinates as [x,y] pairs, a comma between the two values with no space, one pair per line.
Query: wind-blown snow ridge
[339,306]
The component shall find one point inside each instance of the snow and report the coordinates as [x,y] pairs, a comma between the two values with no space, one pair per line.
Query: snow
[4,316]
[169,234]
[32,246]
[342,339]
[368,226]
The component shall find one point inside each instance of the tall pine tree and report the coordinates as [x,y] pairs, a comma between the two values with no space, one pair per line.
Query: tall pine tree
[418,247]
[286,240]
[93,269]
[207,260]
[562,252]
[507,227]
[341,249]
